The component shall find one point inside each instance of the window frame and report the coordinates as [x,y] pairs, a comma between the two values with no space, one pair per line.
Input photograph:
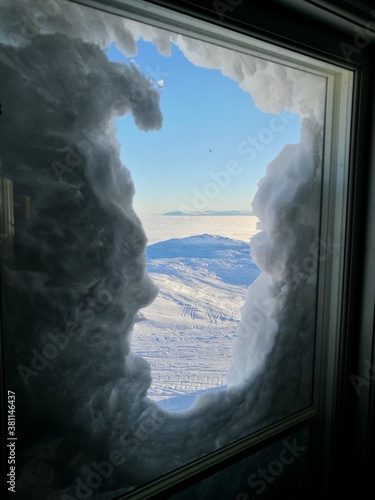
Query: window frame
[331,273]
[330,403]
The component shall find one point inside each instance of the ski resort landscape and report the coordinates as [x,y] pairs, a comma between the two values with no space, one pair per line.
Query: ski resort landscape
[186,334]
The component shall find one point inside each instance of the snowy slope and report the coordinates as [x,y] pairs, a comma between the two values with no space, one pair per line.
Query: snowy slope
[187,333]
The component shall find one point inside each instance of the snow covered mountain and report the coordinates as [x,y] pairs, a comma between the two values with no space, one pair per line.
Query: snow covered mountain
[187,333]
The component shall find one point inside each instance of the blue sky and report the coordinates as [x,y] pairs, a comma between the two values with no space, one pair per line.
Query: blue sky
[208,122]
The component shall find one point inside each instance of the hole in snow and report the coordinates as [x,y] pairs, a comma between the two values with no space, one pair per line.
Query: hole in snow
[195,180]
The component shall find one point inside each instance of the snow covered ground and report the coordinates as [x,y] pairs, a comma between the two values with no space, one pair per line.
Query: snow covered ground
[187,333]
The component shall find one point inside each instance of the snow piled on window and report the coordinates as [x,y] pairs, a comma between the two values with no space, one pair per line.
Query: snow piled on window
[78,278]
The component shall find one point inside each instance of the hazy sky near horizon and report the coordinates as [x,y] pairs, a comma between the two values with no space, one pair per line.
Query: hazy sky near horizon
[214,144]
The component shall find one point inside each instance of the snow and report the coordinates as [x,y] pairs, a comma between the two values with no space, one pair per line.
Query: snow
[187,333]
[287,204]
[79,273]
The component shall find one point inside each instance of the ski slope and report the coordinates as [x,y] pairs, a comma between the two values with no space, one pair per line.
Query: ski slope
[187,332]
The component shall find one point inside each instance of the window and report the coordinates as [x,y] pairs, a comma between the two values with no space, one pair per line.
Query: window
[74,258]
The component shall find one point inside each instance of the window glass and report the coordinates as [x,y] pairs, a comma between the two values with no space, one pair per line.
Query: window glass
[278,471]
[80,88]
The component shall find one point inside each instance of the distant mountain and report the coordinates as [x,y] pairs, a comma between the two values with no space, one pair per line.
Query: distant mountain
[210,213]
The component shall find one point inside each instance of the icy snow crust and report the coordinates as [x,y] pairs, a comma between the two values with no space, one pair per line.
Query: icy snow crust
[80,265]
